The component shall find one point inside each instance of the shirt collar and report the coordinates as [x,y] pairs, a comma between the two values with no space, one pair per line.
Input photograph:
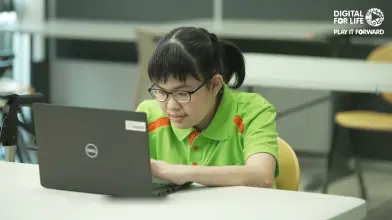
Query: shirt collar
[220,125]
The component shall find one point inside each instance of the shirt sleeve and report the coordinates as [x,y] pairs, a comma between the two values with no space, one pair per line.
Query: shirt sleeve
[261,136]
[141,107]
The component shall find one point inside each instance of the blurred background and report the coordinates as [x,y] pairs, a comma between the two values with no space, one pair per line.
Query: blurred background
[87,53]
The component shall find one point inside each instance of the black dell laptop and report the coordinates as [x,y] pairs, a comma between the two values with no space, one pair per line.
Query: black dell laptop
[96,151]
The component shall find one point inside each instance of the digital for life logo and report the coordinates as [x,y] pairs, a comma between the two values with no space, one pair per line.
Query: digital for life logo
[358,22]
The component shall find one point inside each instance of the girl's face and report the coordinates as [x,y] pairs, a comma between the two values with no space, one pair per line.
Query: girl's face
[190,103]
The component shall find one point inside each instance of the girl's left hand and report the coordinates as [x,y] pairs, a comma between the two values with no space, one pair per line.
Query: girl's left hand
[168,172]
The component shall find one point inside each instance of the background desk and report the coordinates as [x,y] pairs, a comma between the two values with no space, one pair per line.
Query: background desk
[10,86]
[22,197]
[228,28]
[316,73]
[104,40]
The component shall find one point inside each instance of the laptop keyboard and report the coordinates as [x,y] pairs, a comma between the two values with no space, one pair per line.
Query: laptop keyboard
[164,189]
[158,186]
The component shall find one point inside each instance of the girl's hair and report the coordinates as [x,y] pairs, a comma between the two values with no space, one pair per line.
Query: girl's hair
[191,51]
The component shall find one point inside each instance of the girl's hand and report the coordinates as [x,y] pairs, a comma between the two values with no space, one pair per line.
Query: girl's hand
[168,172]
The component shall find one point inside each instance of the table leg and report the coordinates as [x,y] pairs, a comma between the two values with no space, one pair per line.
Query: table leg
[340,151]
[319,181]
[10,153]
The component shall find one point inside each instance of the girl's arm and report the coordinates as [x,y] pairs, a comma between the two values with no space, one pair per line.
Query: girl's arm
[259,171]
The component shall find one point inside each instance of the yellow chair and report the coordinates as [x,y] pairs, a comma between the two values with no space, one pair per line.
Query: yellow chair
[366,120]
[289,177]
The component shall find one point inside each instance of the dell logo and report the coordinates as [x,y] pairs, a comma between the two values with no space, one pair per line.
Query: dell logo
[91,150]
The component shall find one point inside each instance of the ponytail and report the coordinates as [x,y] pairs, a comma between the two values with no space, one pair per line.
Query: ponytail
[228,60]
[233,63]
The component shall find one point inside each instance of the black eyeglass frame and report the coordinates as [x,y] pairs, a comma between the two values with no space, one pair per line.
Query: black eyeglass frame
[190,93]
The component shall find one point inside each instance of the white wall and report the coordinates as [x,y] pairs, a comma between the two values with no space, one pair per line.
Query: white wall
[308,129]
[110,85]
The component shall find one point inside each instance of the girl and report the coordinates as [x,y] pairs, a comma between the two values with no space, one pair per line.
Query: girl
[200,130]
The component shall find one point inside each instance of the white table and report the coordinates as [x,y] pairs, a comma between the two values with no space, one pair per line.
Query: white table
[9,85]
[22,197]
[124,31]
[228,28]
[259,30]
[316,73]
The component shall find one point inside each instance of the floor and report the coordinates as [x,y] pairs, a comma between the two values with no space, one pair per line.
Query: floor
[377,178]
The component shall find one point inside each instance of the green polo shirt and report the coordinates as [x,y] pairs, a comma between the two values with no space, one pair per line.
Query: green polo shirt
[244,124]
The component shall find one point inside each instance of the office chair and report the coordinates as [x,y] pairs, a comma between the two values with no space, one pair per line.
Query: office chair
[289,170]
[364,120]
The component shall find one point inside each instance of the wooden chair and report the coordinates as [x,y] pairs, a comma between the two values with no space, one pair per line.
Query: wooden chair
[289,175]
[366,120]
[146,43]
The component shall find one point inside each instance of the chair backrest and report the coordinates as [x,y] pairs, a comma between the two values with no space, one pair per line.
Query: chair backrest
[146,44]
[382,53]
[289,170]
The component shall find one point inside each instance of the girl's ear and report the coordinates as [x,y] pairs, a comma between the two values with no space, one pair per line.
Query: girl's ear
[216,83]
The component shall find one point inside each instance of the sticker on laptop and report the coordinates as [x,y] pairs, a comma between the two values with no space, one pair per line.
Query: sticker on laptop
[135,126]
